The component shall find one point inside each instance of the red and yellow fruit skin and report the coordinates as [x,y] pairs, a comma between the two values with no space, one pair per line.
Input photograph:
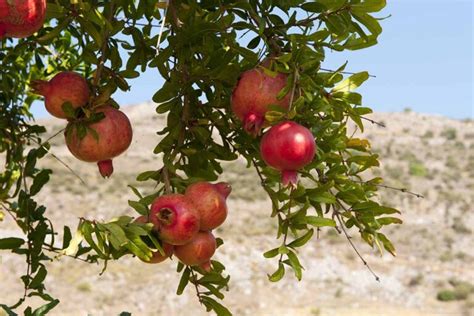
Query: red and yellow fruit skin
[210,201]
[21,18]
[157,257]
[198,251]
[175,219]
[115,136]
[65,87]
[288,147]
[254,93]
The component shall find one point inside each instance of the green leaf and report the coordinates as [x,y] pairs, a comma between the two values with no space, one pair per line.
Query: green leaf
[68,109]
[183,281]
[271,253]
[67,236]
[389,220]
[117,236]
[369,6]
[278,274]
[43,310]
[217,307]
[8,310]
[320,221]
[323,197]
[39,181]
[39,278]
[351,82]
[295,263]
[387,244]
[139,207]
[301,241]
[11,243]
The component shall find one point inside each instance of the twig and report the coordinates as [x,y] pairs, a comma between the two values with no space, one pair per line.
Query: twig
[62,162]
[285,237]
[58,251]
[166,180]
[293,89]
[196,285]
[403,190]
[349,239]
[344,72]
[373,122]
[101,61]
[161,31]
[53,136]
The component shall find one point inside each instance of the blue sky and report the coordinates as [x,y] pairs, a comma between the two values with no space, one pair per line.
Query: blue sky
[424,61]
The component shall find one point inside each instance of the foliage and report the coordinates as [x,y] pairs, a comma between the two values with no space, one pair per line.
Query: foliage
[460,291]
[202,49]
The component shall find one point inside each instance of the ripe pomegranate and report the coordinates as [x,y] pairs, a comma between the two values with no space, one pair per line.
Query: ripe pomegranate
[210,201]
[157,257]
[206,266]
[175,218]
[115,135]
[21,18]
[254,93]
[198,251]
[288,147]
[65,87]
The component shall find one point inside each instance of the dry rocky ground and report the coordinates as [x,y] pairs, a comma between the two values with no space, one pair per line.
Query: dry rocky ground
[428,154]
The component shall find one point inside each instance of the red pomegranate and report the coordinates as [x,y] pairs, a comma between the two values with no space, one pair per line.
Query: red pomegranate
[65,87]
[254,93]
[21,18]
[175,218]
[206,266]
[115,135]
[210,201]
[157,257]
[288,147]
[198,251]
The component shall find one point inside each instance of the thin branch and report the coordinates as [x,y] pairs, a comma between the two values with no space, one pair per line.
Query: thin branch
[101,61]
[58,251]
[373,122]
[62,162]
[161,32]
[344,72]
[166,180]
[280,260]
[349,239]
[196,285]
[53,136]
[403,190]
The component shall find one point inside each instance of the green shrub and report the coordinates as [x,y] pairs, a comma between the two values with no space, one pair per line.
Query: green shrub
[417,169]
[449,134]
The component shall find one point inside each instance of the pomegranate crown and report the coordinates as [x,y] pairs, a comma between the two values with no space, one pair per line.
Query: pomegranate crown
[223,188]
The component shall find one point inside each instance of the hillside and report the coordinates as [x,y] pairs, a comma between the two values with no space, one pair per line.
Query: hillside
[430,155]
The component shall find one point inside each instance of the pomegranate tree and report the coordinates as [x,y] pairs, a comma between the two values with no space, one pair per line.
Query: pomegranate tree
[21,18]
[288,147]
[65,87]
[210,202]
[200,56]
[175,218]
[198,251]
[103,140]
[253,95]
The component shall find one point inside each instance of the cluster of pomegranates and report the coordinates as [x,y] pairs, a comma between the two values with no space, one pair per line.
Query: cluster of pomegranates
[21,18]
[104,139]
[183,222]
[286,146]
